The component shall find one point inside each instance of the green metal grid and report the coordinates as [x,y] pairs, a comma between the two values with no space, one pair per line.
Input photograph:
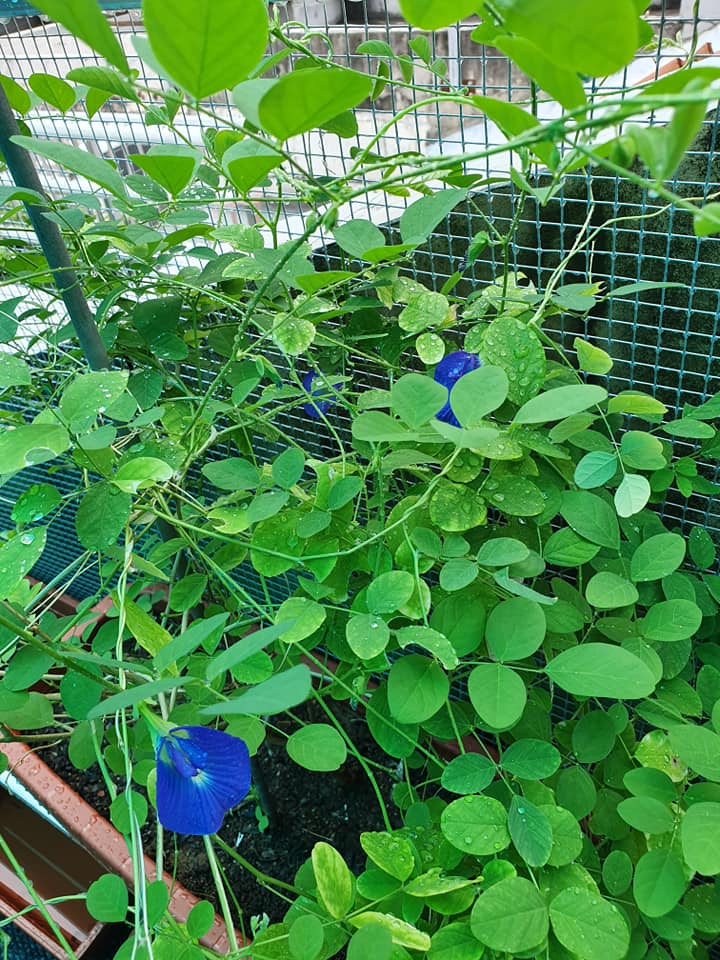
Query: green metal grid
[665,342]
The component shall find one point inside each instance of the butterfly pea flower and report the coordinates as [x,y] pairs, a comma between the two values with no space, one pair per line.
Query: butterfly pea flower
[317,408]
[201,774]
[450,369]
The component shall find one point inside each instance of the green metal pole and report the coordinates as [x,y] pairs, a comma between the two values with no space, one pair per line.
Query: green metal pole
[25,175]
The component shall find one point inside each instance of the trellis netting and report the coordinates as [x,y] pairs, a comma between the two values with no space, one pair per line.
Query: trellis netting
[601,229]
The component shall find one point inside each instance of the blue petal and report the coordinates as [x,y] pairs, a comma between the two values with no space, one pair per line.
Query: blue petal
[450,369]
[316,408]
[195,803]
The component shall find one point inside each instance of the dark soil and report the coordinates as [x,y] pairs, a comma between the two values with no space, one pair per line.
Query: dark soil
[335,807]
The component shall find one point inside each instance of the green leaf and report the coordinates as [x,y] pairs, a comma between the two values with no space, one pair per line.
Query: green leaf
[206,632]
[690,428]
[243,650]
[632,495]
[134,695]
[702,548]
[642,451]
[36,502]
[52,90]
[700,835]
[420,219]
[367,635]
[103,79]
[417,688]
[17,95]
[424,309]
[403,934]
[416,399]
[634,401]
[560,402]
[455,942]
[432,640]
[455,507]
[304,99]
[649,782]
[90,394]
[28,711]
[502,552]
[85,19]
[478,393]
[232,474]
[589,926]
[659,882]
[281,692]
[617,871]
[591,517]
[200,919]
[357,236]
[248,162]
[433,14]
[87,165]
[147,631]
[530,832]
[101,516]
[333,878]
[476,825]
[107,897]
[706,220]
[512,345]
[562,85]
[392,853]
[302,618]
[592,359]
[565,548]
[288,467]
[317,746]
[17,558]
[140,473]
[530,759]
[607,591]
[26,667]
[657,557]
[581,37]
[497,693]
[671,620]
[31,444]
[293,334]
[646,814]
[172,165]
[601,670]
[207,45]
[699,748]
[595,469]
[515,629]
[373,426]
[468,773]
[510,917]
[388,592]
[593,737]
[14,372]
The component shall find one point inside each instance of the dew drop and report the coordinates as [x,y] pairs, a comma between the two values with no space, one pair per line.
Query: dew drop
[521,810]
[27,538]
[468,841]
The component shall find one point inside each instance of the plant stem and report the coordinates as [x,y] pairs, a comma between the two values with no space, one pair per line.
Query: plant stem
[222,895]
[40,905]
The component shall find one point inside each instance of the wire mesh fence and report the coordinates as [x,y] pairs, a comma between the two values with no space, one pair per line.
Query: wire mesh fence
[603,229]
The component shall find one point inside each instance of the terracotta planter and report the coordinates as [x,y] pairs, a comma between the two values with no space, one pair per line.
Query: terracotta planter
[70,869]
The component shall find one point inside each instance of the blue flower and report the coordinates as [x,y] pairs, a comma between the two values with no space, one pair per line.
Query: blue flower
[448,372]
[317,408]
[201,774]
